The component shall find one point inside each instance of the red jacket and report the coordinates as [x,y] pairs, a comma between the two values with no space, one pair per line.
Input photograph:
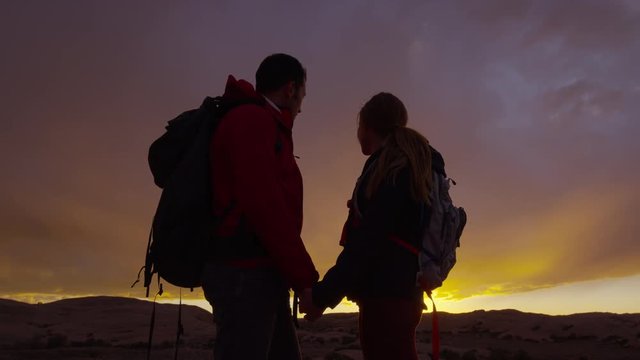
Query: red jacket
[255,174]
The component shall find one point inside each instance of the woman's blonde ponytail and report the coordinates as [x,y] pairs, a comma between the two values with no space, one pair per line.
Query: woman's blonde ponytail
[404,147]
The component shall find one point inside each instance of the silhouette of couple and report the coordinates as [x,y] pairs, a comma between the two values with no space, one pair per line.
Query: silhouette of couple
[258,197]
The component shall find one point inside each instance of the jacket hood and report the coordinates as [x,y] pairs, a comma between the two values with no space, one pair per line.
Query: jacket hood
[238,91]
[241,91]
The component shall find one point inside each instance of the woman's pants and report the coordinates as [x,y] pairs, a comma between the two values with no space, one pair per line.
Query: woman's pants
[388,328]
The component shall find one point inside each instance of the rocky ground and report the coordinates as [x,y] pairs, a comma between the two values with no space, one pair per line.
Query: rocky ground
[118,328]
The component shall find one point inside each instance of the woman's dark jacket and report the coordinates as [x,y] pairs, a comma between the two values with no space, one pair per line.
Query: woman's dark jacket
[371,264]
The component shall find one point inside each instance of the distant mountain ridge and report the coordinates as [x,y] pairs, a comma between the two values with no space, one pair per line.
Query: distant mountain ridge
[114,320]
[116,327]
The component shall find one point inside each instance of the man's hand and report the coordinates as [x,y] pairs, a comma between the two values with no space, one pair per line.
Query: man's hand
[308,307]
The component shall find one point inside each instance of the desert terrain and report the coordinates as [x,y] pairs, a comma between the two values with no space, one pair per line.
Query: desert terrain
[118,328]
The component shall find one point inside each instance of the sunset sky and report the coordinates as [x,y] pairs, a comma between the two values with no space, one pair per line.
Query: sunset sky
[535,106]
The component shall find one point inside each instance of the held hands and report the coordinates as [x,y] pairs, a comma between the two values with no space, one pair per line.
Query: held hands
[308,307]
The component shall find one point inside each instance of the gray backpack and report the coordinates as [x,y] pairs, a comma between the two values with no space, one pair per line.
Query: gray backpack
[441,235]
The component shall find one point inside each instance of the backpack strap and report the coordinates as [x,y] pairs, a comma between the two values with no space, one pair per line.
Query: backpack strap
[404,244]
[435,331]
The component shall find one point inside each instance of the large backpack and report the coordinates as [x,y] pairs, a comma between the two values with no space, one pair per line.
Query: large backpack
[182,227]
[442,228]
[182,230]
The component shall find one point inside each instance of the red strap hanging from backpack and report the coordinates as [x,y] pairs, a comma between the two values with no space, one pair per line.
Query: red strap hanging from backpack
[435,331]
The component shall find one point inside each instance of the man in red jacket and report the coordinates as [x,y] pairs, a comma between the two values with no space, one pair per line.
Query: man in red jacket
[259,254]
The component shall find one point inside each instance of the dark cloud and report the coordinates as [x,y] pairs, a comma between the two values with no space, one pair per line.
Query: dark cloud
[533,103]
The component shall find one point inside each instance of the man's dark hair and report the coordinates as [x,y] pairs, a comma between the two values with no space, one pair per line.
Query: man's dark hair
[278,69]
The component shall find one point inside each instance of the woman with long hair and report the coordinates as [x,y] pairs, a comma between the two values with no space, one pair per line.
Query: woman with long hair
[376,267]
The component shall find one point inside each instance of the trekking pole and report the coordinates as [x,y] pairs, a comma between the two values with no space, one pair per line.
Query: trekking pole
[180,330]
[153,319]
[296,302]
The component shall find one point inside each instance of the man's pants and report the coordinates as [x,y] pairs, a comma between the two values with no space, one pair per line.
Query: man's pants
[252,313]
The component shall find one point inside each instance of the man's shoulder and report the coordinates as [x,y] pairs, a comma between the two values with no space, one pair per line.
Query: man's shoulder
[248,110]
[249,115]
